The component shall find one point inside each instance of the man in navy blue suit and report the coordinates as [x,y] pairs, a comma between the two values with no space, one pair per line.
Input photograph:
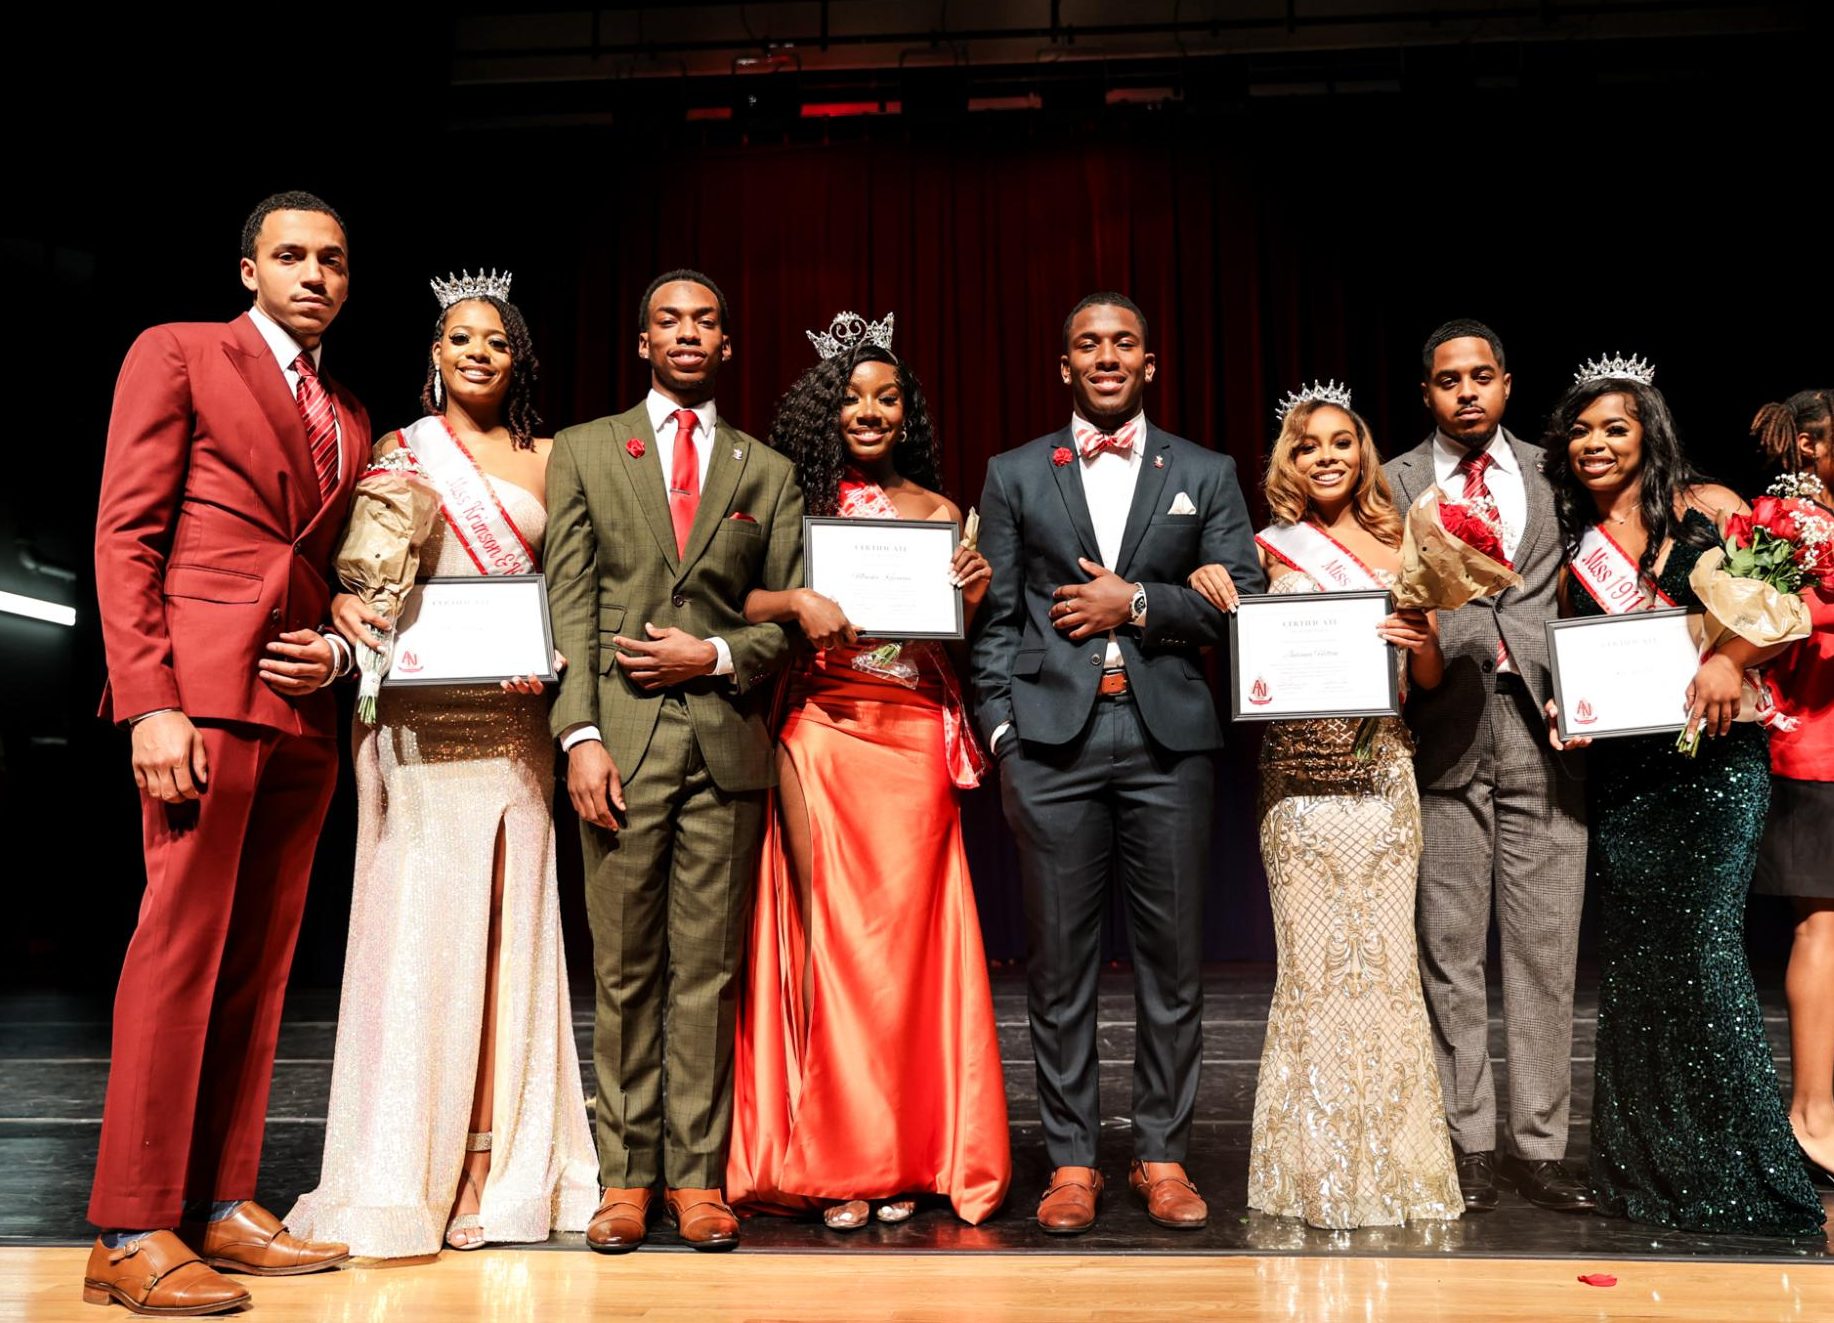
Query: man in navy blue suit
[1090,689]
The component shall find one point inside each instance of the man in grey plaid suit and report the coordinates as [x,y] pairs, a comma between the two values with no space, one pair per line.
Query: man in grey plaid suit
[660,522]
[1503,814]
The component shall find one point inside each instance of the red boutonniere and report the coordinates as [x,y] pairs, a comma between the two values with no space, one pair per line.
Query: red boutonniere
[1061,456]
[635,446]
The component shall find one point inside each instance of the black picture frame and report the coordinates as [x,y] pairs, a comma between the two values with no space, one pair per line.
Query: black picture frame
[813,564]
[490,582]
[1254,603]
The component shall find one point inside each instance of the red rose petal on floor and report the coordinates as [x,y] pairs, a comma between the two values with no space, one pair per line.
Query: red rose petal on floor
[1598,1279]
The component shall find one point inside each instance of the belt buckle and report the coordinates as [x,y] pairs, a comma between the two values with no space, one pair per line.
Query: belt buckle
[1113,683]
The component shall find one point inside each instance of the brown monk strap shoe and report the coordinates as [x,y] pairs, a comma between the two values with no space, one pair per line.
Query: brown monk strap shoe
[156,1274]
[706,1222]
[252,1240]
[1171,1199]
[1069,1201]
[622,1219]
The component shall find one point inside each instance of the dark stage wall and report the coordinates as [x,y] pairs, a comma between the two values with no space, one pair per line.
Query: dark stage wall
[1270,241]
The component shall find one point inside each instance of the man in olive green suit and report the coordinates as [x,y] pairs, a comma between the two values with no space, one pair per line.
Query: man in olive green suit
[660,522]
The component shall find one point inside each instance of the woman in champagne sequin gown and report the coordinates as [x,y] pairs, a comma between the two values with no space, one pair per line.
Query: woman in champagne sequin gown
[1688,1124]
[454,787]
[1349,1124]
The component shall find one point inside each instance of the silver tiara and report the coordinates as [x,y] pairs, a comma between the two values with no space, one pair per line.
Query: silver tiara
[1326,393]
[848,331]
[1616,369]
[456,289]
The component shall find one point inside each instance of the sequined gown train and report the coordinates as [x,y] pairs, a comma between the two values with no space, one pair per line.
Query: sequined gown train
[438,774]
[1688,1126]
[1349,1126]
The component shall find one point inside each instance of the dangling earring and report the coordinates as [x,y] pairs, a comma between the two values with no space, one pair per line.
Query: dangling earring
[438,388]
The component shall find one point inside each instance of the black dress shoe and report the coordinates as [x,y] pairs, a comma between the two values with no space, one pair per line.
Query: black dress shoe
[1546,1184]
[1477,1181]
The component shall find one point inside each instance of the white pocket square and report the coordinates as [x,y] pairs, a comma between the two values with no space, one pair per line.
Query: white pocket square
[1181,504]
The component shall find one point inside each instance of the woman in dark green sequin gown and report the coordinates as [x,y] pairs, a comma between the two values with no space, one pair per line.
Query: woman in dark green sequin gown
[1688,1125]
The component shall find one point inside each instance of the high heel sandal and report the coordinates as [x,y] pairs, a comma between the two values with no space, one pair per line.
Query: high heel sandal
[466,1230]
[848,1215]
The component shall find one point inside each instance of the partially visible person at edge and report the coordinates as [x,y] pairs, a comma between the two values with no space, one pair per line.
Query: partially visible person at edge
[1796,858]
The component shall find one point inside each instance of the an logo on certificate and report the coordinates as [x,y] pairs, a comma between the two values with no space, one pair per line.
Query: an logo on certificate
[408,664]
[1583,715]
[1259,694]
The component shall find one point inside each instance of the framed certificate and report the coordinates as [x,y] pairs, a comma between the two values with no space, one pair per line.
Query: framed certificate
[891,576]
[1622,675]
[1299,655]
[473,630]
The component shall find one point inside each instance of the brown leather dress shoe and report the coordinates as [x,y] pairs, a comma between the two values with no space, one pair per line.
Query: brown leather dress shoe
[622,1220]
[252,1240]
[1171,1199]
[706,1222]
[1070,1200]
[158,1275]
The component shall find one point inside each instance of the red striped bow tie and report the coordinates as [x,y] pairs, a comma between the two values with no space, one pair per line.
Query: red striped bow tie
[1090,441]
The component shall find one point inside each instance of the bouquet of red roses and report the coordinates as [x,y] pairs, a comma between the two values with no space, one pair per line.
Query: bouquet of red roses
[1451,554]
[1751,584]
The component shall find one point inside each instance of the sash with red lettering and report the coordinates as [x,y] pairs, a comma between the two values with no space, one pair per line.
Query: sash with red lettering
[468,502]
[1314,552]
[1611,578]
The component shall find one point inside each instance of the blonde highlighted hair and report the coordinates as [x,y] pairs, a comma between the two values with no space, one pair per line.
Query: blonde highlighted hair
[1372,503]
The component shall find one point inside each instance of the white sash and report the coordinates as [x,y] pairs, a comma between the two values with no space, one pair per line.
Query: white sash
[1611,578]
[1312,551]
[468,502]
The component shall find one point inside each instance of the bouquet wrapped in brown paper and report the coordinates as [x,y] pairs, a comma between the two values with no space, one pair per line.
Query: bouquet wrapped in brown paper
[1451,553]
[1751,586]
[390,517]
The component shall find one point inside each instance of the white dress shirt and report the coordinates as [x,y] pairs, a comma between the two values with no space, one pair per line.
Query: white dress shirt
[663,424]
[1504,479]
[286,351]
[1109,478]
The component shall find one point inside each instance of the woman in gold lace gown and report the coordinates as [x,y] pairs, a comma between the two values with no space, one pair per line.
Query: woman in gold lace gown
[1349,1127]
[457,1113]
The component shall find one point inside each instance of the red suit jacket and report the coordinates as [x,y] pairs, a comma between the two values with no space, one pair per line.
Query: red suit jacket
[211,537]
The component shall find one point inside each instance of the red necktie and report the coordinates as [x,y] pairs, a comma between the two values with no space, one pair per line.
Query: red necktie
[320,418]
[684,479]
[1476,489]
[1091,441]
[1473,466]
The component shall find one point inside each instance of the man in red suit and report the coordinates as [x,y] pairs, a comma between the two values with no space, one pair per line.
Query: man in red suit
[231,462]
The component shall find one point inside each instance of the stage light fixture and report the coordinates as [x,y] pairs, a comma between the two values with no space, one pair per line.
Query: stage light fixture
[34,608]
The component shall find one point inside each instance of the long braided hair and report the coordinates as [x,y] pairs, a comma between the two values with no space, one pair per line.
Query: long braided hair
[807,428]
[1777,426]
[1664,481]
[519,413]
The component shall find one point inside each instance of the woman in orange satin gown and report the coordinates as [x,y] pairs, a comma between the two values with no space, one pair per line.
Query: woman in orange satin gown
[868,1068]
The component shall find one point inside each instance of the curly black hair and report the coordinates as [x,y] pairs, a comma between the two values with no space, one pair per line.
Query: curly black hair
[1665,478]
[807,428]
[519,413]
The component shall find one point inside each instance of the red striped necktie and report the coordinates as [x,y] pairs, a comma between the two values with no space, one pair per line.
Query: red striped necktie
[320,418]
[684,479]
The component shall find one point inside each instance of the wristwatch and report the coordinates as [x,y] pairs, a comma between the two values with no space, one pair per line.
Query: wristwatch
[1136,608]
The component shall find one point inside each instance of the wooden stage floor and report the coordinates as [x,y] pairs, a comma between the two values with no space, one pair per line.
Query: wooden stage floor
[1517,1263]
[510,1286]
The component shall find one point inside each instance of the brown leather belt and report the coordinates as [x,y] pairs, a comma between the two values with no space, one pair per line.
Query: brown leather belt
[1113,683]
